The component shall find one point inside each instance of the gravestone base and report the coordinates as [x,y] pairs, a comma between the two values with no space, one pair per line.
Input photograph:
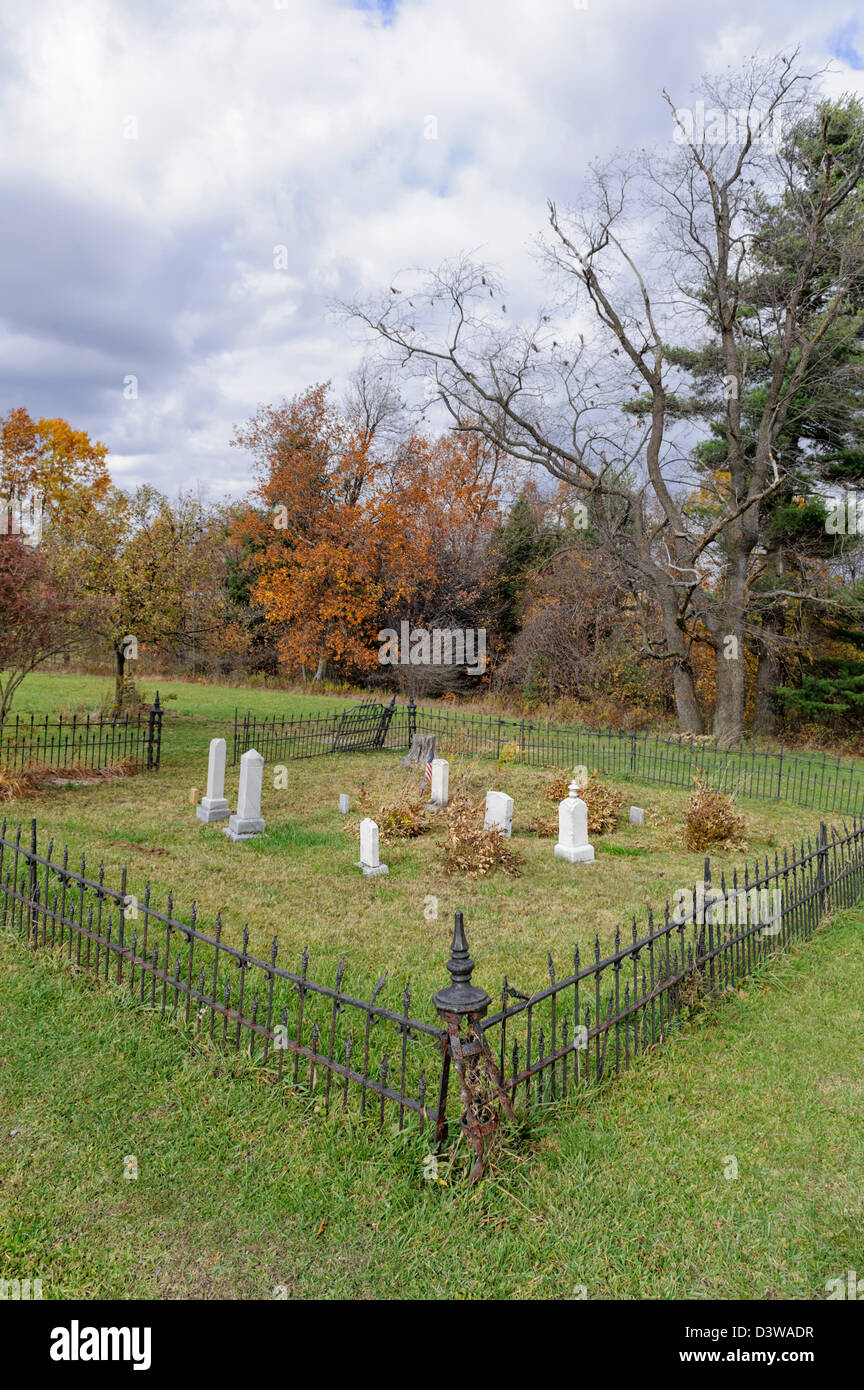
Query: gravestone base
[372,871]
[583,855]
[211,809]
[238,829]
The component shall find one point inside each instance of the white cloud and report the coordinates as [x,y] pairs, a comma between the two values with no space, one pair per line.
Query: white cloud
[299,126]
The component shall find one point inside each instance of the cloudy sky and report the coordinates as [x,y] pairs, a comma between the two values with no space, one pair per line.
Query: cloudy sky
[187,186]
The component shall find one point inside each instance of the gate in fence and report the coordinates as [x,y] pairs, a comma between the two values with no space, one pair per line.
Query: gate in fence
[363,727]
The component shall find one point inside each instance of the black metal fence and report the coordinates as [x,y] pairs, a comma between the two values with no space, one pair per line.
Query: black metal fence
[541,1045]
[317,1036]
[815,780]
[27,741]
[360,728]
[599,1015]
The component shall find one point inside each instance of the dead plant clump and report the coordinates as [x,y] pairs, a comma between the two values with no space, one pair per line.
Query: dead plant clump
[710,818]
[473,849]
[604,805]
[558,787]
[402,819]
[34,780]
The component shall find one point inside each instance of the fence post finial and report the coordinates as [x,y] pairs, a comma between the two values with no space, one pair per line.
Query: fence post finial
[460,996]
[462,1007]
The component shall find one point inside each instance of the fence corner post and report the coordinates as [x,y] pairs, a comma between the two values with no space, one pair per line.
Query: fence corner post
[461,1006]
[154,736]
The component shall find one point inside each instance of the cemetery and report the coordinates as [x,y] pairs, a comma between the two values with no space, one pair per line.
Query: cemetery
[431,662]
[283,859]
[301,871]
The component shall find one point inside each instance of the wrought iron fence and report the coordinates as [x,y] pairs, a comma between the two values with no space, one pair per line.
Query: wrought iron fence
[538,1047]
[601,1014]
[831,784]
[315,1035]
[27,741]
[360,728]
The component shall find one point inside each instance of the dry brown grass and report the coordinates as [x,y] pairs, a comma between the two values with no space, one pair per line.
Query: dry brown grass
[710,818]
[34,780]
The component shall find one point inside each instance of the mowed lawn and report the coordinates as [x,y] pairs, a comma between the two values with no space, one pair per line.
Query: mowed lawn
[728,1164]
[299,881]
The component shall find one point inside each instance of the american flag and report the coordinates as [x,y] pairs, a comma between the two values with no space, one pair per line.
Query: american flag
[427,771]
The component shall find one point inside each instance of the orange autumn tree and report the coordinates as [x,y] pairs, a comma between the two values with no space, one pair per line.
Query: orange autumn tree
[50,461]
[347,527]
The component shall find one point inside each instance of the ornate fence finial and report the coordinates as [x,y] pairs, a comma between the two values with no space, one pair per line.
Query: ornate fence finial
[460,997]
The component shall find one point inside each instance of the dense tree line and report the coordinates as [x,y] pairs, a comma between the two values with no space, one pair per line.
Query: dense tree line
[640,500]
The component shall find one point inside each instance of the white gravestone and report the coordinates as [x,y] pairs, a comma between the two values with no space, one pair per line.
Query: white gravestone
[369,859]
[439,793]
[499,813]
[344,803]
[637,815]
[213,806]
[247,821]
[573,829]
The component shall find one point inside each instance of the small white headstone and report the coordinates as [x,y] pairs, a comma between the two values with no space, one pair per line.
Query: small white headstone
[573,829]
[213,806]
[370,861]
[247,821]
[440,787]
[344,803]
[637,815]
[499,812]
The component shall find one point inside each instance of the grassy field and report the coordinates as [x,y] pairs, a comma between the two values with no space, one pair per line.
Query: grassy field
[628,1194]
[243,1189]
[299,881]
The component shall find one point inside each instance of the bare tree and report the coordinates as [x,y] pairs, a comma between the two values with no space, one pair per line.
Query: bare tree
[662,248]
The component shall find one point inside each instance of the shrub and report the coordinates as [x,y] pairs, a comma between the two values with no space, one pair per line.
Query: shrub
[472,849]
[603,805]
[710,818]
[402,819]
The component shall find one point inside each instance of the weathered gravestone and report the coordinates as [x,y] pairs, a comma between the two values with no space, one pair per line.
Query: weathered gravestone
[573,829]
[344,803]
[247,821]
[370,861]
[439,791]
[499,813]
[637,815]
[421,752]
[213,806]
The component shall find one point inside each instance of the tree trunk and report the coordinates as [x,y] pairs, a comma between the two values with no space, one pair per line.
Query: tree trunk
[767,677]
[728,723]
[687,706]
[768,673]
[119,676]
[690,719]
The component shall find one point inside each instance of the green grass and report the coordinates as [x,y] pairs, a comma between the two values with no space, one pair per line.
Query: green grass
[242,1189]
[52,692]
[300,884]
